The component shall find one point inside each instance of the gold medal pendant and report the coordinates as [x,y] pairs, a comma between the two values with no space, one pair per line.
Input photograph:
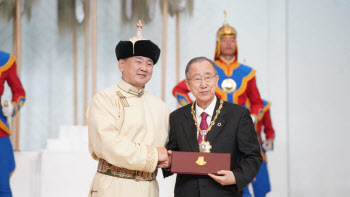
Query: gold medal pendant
[204,147]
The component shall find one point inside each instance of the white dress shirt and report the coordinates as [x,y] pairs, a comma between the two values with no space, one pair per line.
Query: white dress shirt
[209,110]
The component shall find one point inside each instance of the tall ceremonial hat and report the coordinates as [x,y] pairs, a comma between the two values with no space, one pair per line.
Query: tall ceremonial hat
[137,46]
[224,30]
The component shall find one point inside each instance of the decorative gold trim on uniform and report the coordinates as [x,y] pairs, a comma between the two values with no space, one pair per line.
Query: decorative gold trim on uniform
[8,64]
[4,127]
[151,153]
[228,85]
[122,99]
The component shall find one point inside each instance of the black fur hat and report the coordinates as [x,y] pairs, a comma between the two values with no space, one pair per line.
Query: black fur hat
[146,48]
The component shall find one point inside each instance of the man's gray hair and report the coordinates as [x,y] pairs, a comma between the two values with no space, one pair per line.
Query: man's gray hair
[199,59]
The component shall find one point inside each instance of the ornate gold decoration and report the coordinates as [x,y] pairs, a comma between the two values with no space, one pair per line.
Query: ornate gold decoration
[229,85]
[200,161]
[183,102]
[226,29]
[139,34]
[205,146]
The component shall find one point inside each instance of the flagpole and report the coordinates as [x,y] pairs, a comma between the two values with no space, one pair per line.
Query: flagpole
[165,16]
[86,56]
[177,50]
[94,46]
[75,73]
[14,52]
[18,63]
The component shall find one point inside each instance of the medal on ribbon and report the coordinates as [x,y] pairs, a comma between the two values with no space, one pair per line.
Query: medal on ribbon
[204,146]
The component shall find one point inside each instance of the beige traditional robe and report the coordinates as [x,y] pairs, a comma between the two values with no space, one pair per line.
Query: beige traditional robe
[125,132]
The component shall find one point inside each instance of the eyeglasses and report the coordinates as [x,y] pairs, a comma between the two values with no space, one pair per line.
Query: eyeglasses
[199,79]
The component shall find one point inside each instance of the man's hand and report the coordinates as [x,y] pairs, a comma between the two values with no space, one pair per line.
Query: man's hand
[167,163]
[162,154]
[268,145]
[228,177]
[7,109]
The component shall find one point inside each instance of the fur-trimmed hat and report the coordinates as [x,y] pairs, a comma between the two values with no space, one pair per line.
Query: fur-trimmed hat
[137,46]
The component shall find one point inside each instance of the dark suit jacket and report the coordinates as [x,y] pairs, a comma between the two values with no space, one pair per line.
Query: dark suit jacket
[236,135]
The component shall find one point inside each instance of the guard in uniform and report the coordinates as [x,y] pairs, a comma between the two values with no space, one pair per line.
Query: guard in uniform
[8,73]
[261,183]
[128,127]
[237,82]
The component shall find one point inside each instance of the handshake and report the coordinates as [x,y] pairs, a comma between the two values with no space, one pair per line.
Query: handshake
[164,157]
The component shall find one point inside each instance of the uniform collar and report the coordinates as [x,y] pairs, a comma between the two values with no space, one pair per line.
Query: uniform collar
[229,62]
[128,88]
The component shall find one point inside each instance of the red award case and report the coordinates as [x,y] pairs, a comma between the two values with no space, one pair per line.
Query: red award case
[199,163]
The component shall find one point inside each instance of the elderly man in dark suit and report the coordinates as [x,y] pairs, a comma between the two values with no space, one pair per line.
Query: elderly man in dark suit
[228,130]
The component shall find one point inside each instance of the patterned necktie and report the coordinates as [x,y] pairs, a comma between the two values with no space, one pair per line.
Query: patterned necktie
[203,126]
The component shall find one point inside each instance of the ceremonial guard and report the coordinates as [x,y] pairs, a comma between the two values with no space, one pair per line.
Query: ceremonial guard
[8,73]
[261,183]
[237,83]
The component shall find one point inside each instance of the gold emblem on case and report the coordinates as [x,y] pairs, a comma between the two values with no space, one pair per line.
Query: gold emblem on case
[200,161]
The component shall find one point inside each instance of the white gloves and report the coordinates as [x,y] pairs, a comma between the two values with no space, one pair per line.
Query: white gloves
[253,118]
[7,110]
[268,145]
